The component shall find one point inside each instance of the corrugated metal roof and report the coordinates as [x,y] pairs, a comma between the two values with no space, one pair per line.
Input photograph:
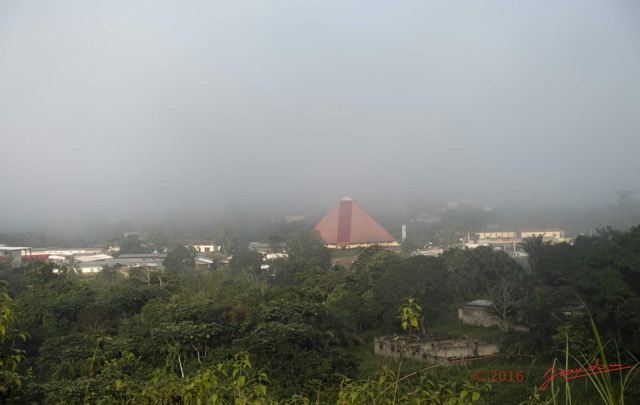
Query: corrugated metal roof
[92,258]
[479,303]
[143,256]
[12,248]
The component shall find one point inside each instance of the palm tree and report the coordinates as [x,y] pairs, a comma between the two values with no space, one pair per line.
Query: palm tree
[535,248]
[73,266]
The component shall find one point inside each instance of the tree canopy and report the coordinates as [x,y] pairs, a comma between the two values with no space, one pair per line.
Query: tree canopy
[175,333]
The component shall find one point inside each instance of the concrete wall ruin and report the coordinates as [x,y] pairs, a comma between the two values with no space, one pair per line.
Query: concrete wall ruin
[433,350]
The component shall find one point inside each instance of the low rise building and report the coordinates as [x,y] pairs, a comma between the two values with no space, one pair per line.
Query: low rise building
[204,263]
[202,246]
[13,254]
[435,251]
[478,312]
[497,235]
[553,234]
[125,262]
[266,248]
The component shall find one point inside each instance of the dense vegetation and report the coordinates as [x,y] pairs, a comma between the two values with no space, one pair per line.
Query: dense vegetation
[305,333]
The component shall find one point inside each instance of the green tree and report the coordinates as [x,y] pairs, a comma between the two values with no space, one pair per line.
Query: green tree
[537,314]
[51,309]
[297,340]
[10,356]
[536,249]
[180,259]
[423,278]
[626,211]
[72,267]
[307,247]
[447,235]
[39,272]
[131,244]
[371,290]
[472,272]
[273,241]
[228,237]
[248,261]
[158,239]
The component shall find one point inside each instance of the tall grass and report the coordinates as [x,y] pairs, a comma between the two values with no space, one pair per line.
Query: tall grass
[600,385]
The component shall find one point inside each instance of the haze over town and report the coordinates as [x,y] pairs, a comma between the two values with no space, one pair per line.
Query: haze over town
[201,110]
[292,202]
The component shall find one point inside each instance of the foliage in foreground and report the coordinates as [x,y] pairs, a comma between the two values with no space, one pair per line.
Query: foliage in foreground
[391,387]
[10,356]
[171,337]
[237,382]
[117,379]
[588,379]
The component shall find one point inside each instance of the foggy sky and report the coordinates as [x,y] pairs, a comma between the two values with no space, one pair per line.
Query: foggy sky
[122,109]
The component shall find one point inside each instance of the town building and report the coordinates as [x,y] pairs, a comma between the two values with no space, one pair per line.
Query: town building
[347,225]
[265,248]
[13,254]
[479,313]
[201,246]
[204,263]
[497,235]
[507,240]
[124,262]
[552,234]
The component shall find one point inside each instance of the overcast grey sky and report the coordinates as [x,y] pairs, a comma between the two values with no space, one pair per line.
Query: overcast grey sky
[124,108]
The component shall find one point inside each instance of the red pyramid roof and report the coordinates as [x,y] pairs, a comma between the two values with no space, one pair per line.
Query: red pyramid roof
[348,223]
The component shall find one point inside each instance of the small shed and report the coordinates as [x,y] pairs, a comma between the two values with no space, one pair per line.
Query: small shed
[478,312]
[204,263]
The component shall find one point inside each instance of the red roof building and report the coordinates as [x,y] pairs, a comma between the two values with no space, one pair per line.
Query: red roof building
[347,225]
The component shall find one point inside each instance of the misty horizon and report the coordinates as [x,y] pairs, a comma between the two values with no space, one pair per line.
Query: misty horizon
[119,111]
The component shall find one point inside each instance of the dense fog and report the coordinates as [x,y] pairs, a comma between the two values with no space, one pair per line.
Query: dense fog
[197,111]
